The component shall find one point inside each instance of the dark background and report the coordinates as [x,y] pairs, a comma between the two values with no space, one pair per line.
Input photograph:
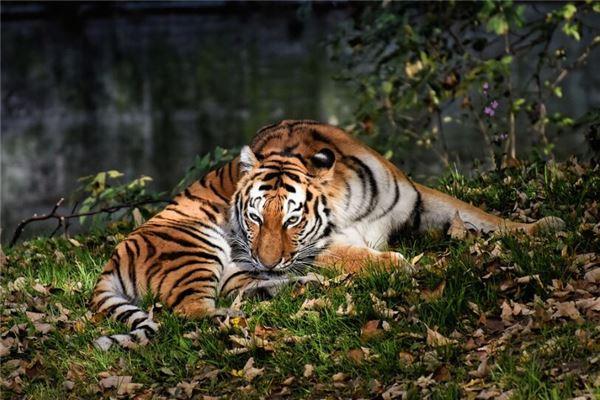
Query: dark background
[143,87]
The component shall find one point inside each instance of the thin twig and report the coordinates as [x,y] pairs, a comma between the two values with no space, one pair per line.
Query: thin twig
[445,156]
[511,145]
[63,219]
[580,60]
[491,158]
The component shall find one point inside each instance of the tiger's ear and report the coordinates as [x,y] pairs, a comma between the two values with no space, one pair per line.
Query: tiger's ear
[323,162]
[247,159]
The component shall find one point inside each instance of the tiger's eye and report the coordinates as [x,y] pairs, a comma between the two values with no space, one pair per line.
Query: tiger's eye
[291,221]
[254,218]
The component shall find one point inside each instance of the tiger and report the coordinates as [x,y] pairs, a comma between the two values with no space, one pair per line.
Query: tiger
[313,193]
[303,194]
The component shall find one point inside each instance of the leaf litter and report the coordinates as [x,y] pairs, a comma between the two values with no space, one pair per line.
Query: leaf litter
[547,312]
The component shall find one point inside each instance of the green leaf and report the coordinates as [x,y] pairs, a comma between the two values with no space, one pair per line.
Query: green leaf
[520,11]
[498,24]
[572,30]
[107,194]
[85,207]
[387,87]
[518,103]
[113,173]
[568,11]
[566,121]
[557,91]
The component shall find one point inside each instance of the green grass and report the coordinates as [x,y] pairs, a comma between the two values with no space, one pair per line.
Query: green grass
[531,356]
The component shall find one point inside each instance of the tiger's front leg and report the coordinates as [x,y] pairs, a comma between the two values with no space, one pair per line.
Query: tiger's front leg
[194,293]
[353,258]
[251,283]
[205,308]
[273,285]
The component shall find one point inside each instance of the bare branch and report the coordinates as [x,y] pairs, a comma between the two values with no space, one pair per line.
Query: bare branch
[63,220]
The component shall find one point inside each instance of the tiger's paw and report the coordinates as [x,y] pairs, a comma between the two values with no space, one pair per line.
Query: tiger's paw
[395,259]
[311,278]
[548,224]
[224,312]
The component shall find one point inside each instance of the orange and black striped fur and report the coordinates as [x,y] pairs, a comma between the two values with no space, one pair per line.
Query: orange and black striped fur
[303,193]
[179,255]
[314,194]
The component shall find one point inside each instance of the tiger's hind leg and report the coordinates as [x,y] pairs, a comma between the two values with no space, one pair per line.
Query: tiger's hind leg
[355,258]
[437,211]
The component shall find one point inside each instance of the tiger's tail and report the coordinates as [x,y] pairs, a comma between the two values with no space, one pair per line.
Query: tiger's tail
[111,299]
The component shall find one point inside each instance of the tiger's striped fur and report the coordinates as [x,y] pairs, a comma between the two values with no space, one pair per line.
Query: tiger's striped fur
[302,193]
[180,255]
[346,202]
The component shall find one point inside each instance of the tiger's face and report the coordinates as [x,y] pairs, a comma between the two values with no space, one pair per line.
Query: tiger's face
[280,213]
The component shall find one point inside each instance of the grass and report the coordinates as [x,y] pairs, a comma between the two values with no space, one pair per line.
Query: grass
[460,292]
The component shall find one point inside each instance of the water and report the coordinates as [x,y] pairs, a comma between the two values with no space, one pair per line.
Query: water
[144,91]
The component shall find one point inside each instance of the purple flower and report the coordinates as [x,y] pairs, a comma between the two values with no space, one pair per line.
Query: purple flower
[503,136]
[489,111]
[486,86]
[494,104]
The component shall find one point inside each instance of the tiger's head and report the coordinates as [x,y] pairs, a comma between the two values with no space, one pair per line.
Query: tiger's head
[280,213]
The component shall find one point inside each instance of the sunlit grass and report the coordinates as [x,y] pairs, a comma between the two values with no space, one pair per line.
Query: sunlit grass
[534,364]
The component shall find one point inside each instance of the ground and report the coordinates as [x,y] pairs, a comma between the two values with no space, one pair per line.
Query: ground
[483,317]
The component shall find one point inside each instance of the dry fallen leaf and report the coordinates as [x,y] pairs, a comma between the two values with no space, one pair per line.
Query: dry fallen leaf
[406,358]
[315,304]
[249,372]
[309,370]
[311,307]
[123,384]
[593,275]
[288,381]
[167,371]
[349,309]
[371,330]
[393,392]
[42,327]
[339,377]
[357,356]
[507,312]
[416,259]
[4,350]
[40,289]
[33,316]
[567,309]
[74,242]
[482,370]
[381,309]
[441,374]
[436,339]
[458,230]
[436,293]
[592,304]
